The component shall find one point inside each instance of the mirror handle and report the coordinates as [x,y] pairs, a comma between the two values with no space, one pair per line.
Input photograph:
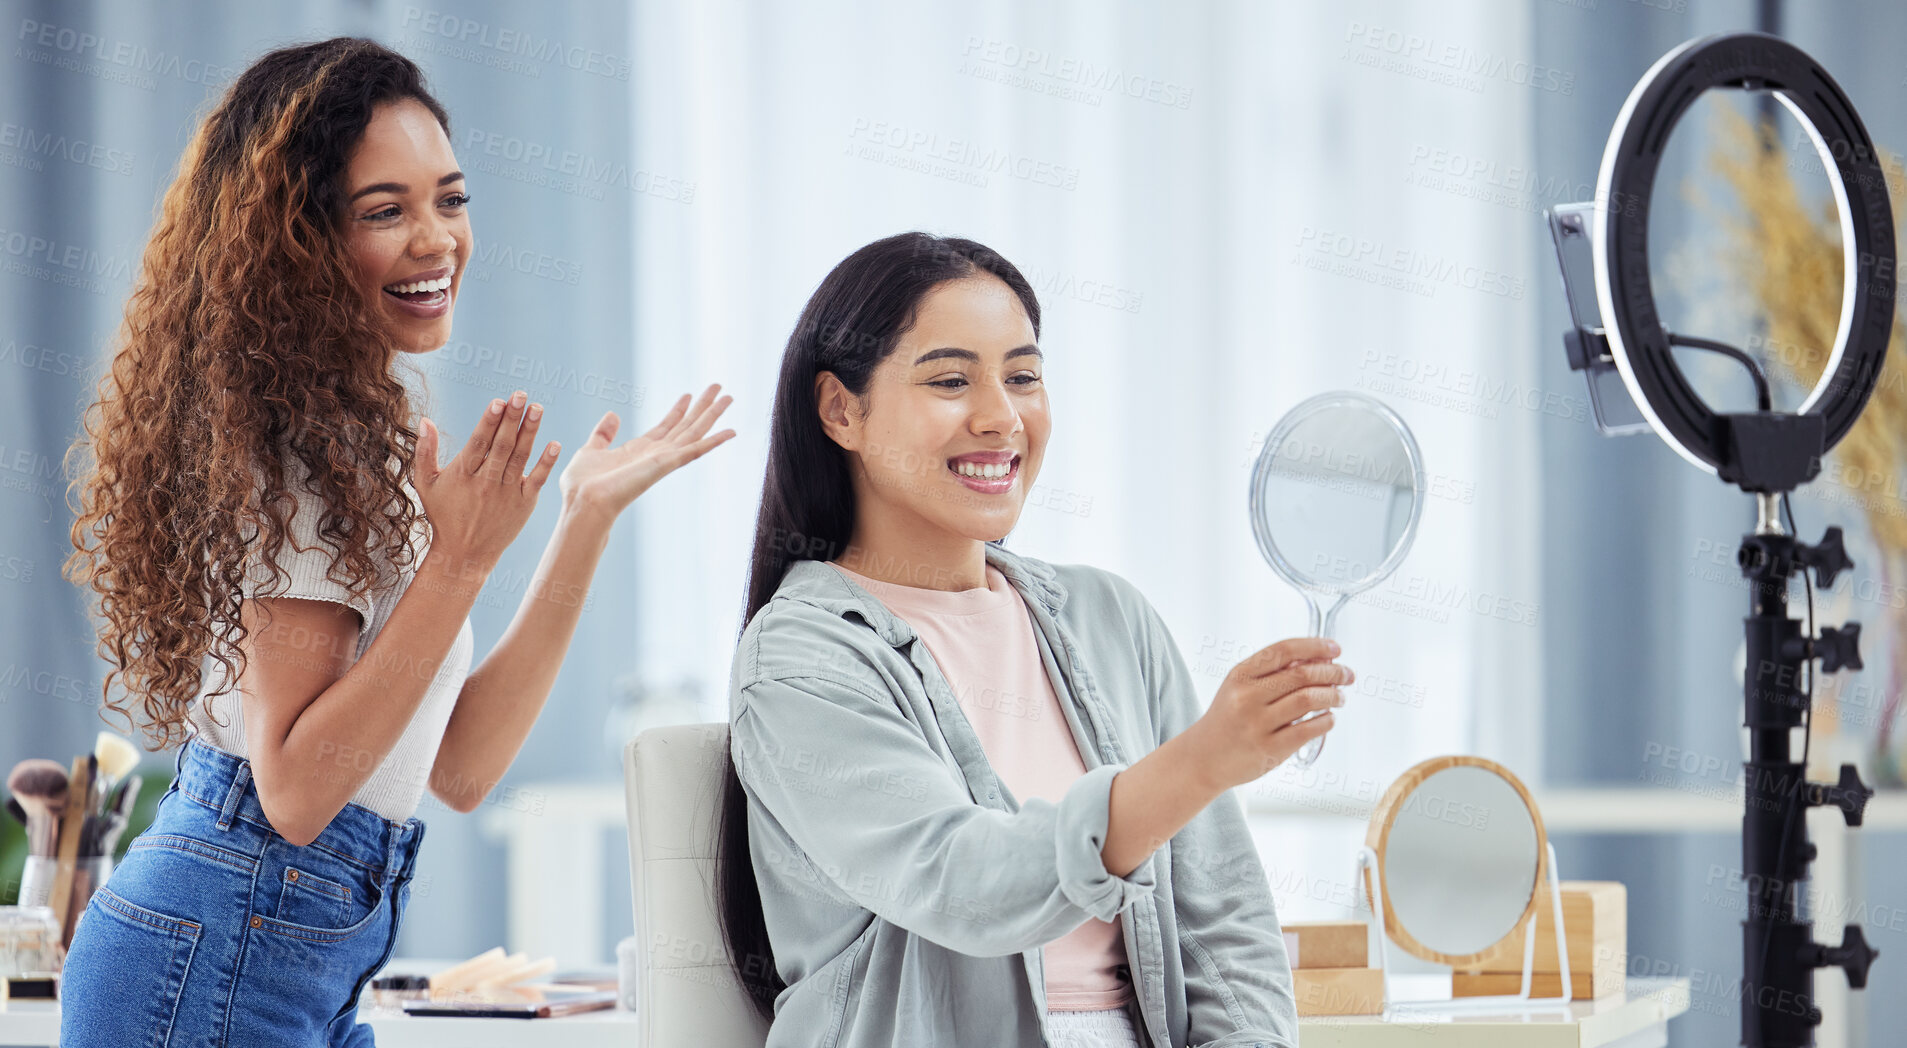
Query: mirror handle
[1324,623]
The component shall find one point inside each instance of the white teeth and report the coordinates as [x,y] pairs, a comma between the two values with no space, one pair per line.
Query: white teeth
[440,284]
[976,469]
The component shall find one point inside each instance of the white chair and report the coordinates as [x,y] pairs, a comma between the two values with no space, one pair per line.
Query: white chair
[686,991]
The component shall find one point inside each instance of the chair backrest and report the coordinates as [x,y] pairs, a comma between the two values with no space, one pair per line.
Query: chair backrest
[687,992]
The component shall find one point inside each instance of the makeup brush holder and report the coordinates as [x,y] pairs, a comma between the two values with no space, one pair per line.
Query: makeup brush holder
[40,871]
[36,878]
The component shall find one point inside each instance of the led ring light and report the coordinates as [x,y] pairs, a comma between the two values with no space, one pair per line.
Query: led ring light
[1637,340]
[1766,453]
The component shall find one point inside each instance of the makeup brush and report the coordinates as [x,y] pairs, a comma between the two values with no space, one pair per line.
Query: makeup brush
[106,837]
[32,825]
[128,796]
[82,893]
[113,756]
[40,786]
[43,834]
[113,823]
[117,756]
[91,833]
[117,802]
[79,804]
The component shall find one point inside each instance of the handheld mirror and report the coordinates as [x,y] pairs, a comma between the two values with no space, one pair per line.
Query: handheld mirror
[1335,498]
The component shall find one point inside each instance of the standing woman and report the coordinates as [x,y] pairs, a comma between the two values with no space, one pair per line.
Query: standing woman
[974,799]
[285,572]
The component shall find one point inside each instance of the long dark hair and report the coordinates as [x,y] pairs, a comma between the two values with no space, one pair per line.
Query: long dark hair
[851,324]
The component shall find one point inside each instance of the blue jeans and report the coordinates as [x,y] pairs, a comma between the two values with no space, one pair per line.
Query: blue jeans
[217,931]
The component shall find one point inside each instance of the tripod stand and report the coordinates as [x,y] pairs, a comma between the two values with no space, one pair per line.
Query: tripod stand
[1778,948]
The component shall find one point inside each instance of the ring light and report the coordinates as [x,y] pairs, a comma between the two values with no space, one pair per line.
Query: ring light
[1764,452]
[1738,447]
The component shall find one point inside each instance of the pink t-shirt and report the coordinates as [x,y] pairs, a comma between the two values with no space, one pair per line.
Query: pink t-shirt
[983,642]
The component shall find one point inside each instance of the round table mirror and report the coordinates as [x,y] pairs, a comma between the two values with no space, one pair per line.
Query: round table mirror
[1335,498]
[1461,852]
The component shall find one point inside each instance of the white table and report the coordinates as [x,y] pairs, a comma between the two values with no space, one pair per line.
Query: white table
[37,1023]
[1835,873]
[1635,1018]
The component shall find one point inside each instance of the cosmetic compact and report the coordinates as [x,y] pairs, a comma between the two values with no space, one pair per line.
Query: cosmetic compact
[391,991]
[30,953]
[29,941]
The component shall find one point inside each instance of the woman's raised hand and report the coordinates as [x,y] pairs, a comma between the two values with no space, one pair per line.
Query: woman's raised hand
[612,477]
[1252,725]
[480,499]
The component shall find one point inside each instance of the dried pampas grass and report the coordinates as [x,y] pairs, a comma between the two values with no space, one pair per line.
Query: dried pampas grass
[1789,260]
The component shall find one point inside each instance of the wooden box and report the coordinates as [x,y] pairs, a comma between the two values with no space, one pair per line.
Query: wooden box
[1338,991]
[1328,944]
[1596,916]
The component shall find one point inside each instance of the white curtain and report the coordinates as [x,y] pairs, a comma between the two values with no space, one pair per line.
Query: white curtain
[1226,208]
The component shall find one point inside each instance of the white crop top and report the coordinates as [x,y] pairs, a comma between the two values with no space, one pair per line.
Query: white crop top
[395,788]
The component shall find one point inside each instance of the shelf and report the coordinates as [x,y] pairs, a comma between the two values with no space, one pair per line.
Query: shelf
[1607,810]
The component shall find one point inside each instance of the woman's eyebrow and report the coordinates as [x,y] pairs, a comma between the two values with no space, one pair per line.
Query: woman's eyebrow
[400,188]
[968,354]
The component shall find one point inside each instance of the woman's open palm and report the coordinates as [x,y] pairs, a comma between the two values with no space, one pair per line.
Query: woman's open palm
[613,477]
[478,502]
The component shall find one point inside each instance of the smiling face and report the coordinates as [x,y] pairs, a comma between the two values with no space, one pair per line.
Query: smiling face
[405,223]
[949,435]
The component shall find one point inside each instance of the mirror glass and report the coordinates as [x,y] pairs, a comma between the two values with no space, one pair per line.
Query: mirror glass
[1460,853]
[1335,498]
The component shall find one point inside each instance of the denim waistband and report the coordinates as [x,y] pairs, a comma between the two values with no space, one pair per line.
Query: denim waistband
[223,782]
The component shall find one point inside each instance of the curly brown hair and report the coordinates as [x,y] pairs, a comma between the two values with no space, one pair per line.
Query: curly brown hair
[248,352]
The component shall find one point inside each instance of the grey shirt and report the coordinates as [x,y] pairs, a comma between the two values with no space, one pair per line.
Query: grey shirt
[907,893]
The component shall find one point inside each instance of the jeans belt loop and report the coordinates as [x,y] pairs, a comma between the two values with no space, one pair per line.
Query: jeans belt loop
[235,794]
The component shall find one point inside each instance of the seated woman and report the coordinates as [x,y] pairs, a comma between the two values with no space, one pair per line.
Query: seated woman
[974,799]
